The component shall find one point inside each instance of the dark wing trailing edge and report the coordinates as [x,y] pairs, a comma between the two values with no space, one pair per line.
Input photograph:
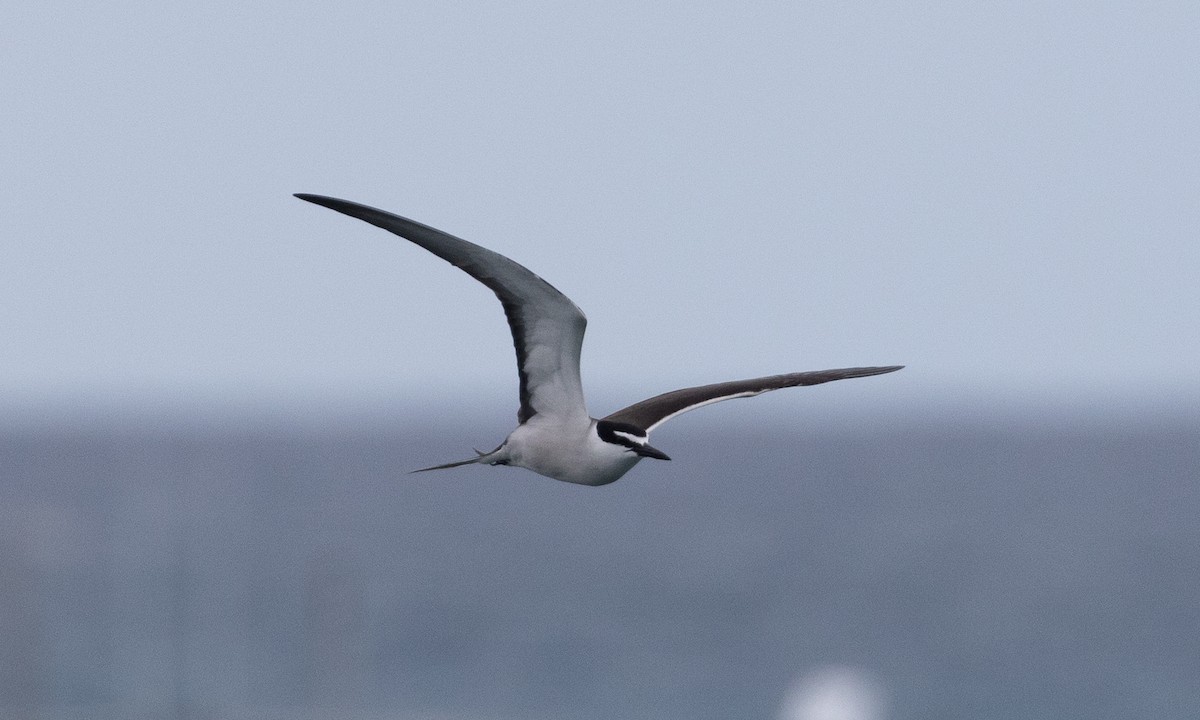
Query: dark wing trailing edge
[651,413]
[547,328]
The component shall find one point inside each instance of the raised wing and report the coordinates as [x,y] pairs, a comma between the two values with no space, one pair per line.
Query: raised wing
[649,414]
[547,328]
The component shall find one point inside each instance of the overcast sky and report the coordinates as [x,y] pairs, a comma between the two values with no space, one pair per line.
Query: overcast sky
[1003,196]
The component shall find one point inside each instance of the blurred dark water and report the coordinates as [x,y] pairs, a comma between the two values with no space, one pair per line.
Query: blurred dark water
[976,569]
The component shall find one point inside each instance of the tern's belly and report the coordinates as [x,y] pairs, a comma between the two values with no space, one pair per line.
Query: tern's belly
[581,459]
[581,469]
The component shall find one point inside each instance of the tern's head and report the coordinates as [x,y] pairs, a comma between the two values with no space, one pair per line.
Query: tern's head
[628,436]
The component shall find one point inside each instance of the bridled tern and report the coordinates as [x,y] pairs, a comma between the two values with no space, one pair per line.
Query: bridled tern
[555,436]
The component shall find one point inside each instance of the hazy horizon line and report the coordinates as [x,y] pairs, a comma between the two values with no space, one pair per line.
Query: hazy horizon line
[359,407]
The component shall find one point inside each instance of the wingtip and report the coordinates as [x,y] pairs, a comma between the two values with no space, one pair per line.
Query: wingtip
[346,207]
[873,370]
[870,371]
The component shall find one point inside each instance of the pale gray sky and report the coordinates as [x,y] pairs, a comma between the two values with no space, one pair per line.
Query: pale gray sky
[1003,196]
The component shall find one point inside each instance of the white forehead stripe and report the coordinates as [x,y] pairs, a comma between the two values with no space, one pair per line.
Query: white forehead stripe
[639,439]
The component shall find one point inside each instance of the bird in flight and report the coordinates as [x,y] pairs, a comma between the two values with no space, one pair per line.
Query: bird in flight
[555,436]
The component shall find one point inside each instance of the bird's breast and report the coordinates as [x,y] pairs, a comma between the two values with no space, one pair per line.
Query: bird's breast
[568,454]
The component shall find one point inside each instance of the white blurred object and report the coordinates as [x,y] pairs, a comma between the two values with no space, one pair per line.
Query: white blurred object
[834,693]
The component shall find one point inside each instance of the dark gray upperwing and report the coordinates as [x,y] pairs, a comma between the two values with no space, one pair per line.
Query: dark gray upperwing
[547,328]
[651,413]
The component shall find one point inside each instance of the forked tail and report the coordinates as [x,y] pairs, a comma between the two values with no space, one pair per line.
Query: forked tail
[495,457]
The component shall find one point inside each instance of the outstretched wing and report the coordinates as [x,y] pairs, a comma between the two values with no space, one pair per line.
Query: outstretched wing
[649,414]
[547,328]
